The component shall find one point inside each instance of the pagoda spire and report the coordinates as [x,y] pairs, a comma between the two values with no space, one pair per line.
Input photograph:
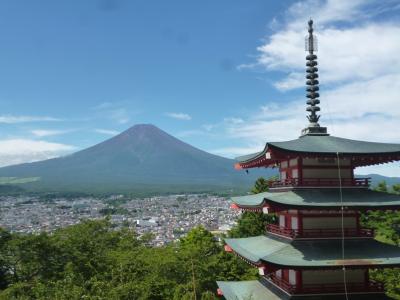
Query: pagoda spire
[312,84]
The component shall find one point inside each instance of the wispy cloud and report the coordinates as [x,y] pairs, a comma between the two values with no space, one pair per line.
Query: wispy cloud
[48,132]
[346,51]
[233,152]
[114,111]
[12,119]
[190,133]
[360,81]
[106,131]
[359,72]
[179,116]
[16,151]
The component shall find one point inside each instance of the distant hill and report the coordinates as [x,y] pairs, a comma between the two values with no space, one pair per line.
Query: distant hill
[376,178]
[142,158]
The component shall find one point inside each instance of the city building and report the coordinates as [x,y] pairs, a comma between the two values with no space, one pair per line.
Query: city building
[318,248]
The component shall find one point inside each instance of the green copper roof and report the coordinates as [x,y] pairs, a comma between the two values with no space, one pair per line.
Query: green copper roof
[352,197]
[326,144]
[250,200]
[254,248]
[245,290]
[315,253]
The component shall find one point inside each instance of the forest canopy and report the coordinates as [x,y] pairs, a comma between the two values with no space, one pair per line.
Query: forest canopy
[93,260]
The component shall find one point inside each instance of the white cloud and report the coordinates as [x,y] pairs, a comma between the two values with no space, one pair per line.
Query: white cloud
[11,119]
[46,132]
[106,131]
[359,73]
[233,120]
[352,51]
[114,111]
[16,151]
[179,116]
[344,54]
[233,152]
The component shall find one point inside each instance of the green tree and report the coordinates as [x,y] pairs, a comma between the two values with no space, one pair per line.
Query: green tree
[261,185]
[396,188]
[250,224]
[381,187]
[387,229]
[93,260]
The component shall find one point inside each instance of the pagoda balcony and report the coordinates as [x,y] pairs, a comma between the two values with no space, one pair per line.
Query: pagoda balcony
[320,182]
[326,288]
[319,233]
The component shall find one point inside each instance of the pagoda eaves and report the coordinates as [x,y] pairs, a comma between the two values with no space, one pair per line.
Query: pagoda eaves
[315,254]
[316,246]
[361,199]
[361,153]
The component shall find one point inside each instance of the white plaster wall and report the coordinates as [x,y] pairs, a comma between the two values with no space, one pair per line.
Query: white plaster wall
[282,221]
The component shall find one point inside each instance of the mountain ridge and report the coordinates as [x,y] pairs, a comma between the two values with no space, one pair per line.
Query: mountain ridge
[141,157]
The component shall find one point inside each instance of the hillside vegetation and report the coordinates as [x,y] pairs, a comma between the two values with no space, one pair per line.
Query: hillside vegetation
[92,260]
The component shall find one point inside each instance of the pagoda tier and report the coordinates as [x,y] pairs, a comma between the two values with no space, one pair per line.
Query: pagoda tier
[314,267]
[313,161]
[324,254]
[253,290]
[317,247]
[316,213]
[263,289]
[328,198]
[356,153]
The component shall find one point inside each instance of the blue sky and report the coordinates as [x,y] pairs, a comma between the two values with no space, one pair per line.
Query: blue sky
[224,76]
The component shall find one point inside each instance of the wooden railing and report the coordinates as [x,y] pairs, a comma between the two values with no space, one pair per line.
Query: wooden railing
[352,287]
[325,182]
[320,233]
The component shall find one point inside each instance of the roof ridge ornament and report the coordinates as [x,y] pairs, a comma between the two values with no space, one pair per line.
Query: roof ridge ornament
[312,82]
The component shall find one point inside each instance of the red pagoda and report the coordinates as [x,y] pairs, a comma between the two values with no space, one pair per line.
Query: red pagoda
[318,248]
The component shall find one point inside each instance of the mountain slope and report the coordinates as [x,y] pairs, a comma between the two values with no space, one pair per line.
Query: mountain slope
[376,179]
[142,157]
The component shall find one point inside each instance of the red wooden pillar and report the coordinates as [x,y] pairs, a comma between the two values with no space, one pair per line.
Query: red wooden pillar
[366,277]
[285,275]
[300,167]
[288,221]
[299,280]
[300,221]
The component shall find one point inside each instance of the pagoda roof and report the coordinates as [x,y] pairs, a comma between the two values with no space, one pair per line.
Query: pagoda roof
[244,290]
[322,145]
[315,253]
[321,198]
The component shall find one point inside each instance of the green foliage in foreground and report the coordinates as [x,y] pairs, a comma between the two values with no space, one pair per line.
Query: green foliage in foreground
[93,261]
[261,185]
[387,229]
[386,225]
[251,224]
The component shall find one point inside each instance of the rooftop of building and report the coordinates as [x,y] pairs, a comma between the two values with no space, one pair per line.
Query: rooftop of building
[256,290]
[327,145]
[243,290]
[315,253]
[321,198]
